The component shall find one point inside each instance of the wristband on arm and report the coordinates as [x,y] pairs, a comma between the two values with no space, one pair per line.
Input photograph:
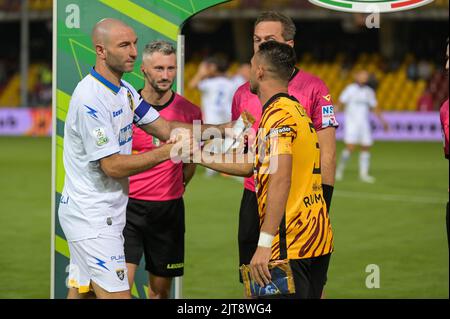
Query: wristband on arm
[327,195]
[265,240]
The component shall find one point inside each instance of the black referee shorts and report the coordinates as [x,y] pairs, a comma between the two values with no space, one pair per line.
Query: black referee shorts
[156,230]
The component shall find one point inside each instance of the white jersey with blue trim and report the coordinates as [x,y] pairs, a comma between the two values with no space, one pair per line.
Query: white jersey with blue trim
[98,124]
[217,97]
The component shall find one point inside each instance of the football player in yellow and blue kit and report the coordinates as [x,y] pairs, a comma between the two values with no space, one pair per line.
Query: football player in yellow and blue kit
[294,222]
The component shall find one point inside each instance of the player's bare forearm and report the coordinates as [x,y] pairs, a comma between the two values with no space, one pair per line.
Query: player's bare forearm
[119,166]
[327,142]
[277,195]
[160,128]
[163,129]
[188,172]
[203,127]
[242,168]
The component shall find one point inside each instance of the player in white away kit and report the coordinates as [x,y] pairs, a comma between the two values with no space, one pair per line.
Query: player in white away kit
[98,161]
[216,88]
[359,99]
[217,91]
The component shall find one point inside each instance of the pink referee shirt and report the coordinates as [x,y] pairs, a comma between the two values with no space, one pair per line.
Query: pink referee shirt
[444,123]
[309,90]
[164,181]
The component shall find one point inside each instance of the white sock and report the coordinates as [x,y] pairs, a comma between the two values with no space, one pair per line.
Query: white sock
[364,163]
[345,156]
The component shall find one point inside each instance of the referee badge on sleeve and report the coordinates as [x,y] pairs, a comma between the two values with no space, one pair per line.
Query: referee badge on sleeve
[100,136]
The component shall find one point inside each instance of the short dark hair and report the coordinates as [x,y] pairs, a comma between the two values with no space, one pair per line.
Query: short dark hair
[280,58]
[289,28]
[220,61]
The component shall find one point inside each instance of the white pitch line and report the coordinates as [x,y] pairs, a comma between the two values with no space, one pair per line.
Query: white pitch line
[390,197]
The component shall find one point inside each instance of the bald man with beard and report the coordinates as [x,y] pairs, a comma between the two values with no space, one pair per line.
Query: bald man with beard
[98,161]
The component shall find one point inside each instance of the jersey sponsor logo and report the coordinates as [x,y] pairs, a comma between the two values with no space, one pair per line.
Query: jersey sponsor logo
[328,110]
[126,134]
[367,6]
[328,117]
[120,273]
[100,136]
[92,112]
[312,199]
[280,131]
[118,258]
[117,113]
[175,266]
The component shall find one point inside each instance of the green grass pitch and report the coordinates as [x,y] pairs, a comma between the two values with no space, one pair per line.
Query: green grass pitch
[398,224]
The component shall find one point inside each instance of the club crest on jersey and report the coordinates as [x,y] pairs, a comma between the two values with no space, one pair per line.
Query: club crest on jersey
[120,273]
[130,100]
[370,6]
[100,136]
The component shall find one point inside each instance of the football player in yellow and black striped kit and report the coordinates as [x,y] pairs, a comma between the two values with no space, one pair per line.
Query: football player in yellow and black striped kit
[294,222]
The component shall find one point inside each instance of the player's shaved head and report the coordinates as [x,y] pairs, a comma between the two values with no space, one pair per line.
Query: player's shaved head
[115,45]
[103,29]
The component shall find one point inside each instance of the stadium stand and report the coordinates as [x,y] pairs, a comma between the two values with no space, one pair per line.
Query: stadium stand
[395,90]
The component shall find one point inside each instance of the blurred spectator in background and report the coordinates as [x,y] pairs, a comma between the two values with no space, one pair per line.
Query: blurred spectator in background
[425,103]
[424,70]
[242,75]
[217,91]
[372,81]
[41,91]
[216,88]
[44,86]
[413,71]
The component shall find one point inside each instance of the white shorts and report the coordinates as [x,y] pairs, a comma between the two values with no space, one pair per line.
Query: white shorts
[101,260]
[358,133]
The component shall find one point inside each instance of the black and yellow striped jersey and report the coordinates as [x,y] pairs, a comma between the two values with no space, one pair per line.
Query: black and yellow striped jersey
[285,128]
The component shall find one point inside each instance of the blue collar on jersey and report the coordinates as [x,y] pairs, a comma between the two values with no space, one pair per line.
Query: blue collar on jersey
[105,82]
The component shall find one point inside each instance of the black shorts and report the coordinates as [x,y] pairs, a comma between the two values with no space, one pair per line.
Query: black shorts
[310,275]
[248,233]
[156,229]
